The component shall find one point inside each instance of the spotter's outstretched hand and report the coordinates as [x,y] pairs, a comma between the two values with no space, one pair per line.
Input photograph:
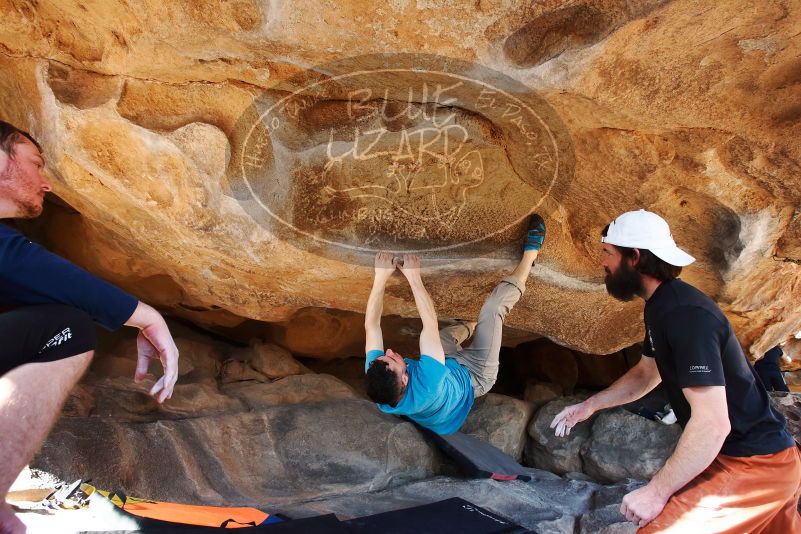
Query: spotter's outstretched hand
[570,417]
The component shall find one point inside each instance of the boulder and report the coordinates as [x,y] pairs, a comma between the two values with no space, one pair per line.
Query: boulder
[276,455]
[124,400]
[540,393]
[604,515]
[612,446]
[623,445]
[545,450]
[200,356]
[171,180]
[273,361]
[296,389]
[329,333]
[261,362]
[501,421]
[240,371]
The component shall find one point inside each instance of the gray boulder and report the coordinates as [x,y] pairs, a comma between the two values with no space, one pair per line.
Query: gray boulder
[624,445]
[556,454]
[501,421]
[604,516]
[282,453]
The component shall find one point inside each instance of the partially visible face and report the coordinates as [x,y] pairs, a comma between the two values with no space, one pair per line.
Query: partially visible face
[622,281]
[396,364]
[22,181]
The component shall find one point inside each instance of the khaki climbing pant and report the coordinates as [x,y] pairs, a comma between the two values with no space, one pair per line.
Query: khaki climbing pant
[481,356]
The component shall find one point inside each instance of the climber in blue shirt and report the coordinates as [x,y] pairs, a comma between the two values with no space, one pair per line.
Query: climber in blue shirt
[48,308]
[438,389]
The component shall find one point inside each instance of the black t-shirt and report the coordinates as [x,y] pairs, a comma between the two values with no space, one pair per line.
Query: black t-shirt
[694,345]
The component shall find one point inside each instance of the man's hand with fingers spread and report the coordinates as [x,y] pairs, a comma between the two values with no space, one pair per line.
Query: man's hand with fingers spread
[570,417]
[155,342]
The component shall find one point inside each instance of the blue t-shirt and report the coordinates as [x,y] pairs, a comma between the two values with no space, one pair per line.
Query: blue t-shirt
[438,396]
[30,274]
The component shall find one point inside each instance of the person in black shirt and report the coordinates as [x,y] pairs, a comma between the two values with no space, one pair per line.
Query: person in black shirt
[48,334]
[735,468]
[769,372]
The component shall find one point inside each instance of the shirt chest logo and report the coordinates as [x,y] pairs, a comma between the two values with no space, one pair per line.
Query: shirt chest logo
[700,369]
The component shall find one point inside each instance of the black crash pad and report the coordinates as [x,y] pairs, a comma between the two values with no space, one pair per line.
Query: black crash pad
[477,458]
[451,515]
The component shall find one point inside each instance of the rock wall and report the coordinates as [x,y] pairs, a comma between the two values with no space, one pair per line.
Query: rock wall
[252,426]
[688,108]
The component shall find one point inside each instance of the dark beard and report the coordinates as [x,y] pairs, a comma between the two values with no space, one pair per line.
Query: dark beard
[625,284]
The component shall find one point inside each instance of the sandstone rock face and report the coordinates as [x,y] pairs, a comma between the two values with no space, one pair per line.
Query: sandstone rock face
[216,378]
[291,390]
[616,445]
[278,454]
[567,369]
[247,426]
[686,108]
[261,362]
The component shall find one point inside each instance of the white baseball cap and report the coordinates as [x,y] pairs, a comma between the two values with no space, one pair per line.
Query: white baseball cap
[646,230]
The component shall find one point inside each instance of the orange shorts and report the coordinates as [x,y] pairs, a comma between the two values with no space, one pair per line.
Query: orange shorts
[750,495]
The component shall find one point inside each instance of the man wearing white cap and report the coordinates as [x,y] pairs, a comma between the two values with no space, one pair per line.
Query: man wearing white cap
[735,468]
